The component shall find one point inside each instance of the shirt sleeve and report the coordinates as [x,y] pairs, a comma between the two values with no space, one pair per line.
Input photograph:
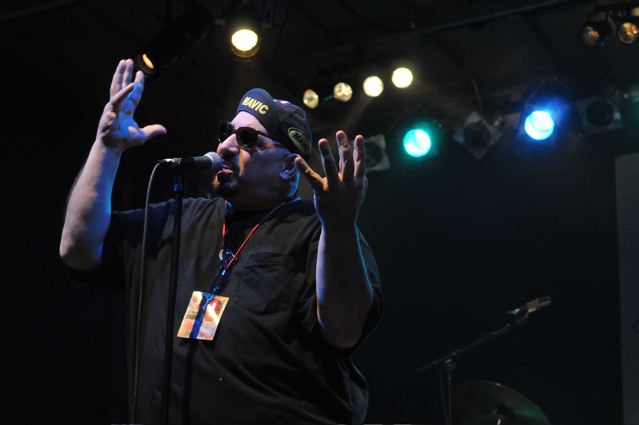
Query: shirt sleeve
[122,247]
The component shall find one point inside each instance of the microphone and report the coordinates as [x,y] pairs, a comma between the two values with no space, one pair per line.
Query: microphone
[530,306]
[210,161]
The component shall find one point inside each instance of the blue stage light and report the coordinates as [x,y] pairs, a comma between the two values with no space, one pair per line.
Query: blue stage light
[417,142]
[539,125]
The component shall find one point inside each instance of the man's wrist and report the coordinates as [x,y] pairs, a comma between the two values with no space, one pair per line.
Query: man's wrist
[339,229]
[113,152]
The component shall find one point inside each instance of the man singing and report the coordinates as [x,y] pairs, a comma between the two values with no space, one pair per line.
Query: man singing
[274,291]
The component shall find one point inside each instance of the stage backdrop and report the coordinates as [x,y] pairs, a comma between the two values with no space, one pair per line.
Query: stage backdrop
[628,234]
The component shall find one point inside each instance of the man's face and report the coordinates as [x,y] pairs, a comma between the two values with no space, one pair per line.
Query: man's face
[251,175]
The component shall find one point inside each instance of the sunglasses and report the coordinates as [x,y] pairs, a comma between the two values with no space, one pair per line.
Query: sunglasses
[246,137]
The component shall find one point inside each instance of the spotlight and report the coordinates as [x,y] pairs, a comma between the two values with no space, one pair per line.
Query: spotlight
[402,77]
[628,27]
[477,135]
[594,32]
[421,138]
[376,156]
[599,115]
[342,92]
[373,86]
[418,134]
[311,98]
[244,42]
[543,113]
[539,125]
[174,41]
[243,30]
[417,142]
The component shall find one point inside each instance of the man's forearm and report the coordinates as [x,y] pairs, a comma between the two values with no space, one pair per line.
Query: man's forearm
[89,209]
[344,292]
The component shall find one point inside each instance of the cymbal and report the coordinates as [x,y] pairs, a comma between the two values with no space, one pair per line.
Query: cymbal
[485,402]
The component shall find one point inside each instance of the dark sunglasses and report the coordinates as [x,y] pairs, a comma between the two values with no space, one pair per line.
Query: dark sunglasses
[246,136]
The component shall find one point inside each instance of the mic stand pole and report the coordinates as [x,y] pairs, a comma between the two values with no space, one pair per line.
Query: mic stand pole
[448,364]
[178,192]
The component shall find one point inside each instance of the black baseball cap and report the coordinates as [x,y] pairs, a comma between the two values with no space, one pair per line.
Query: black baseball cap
[284,121]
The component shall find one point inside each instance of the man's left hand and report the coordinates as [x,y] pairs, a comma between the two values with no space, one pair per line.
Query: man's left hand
[339,195]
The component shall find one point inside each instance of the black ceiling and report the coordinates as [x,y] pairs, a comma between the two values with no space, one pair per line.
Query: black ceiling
[465,53]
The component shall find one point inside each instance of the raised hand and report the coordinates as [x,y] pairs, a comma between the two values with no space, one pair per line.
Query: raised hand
[117,128]
[339,195]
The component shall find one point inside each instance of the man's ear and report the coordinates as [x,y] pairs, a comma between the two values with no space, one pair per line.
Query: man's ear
[289,168]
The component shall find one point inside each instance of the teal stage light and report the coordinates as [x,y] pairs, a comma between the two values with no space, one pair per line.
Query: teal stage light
[417,142]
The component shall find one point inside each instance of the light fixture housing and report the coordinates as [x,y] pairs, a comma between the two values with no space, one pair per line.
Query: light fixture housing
[174,41]
[595,32]
[599,114]
[311,98]
[628,28]
[477,135]
[243,26]
[342,91]
[376,156]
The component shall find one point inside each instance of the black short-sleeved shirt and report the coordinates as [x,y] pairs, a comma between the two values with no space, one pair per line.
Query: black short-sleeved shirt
[268,362]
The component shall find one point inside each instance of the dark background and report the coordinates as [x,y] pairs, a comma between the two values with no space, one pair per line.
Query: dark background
[459,241]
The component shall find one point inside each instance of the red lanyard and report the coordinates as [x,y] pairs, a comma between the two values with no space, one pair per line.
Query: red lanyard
[221,277]
[230,263]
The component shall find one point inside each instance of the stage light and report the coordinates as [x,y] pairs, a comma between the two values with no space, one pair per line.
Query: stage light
[539,125]
[244,30]
[373,86]
[417,142]
[599,114]
[595,32]
[342,92]
[477,135]
[376,156]
[174,41]
[244,42]
[402,77]
[628,28]
[544,112]
[311,99]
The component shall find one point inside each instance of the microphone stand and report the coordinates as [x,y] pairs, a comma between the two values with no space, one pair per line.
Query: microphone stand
[447,362]
[178,192]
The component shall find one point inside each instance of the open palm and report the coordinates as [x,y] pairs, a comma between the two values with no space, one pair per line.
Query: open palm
[118,128]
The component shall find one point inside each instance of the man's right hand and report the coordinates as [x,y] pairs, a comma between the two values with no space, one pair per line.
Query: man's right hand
[117,128]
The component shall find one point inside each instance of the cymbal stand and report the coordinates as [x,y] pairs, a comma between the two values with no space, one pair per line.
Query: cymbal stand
[447,361]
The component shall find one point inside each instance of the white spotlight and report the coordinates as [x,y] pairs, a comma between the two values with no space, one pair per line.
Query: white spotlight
[245,42]
[311,98]
[402,77]
[373,86]
[342,92]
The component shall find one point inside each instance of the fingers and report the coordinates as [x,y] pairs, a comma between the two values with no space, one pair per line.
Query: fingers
[136,95]
[328,162]
[314,179]
[359,157]
[151,131]
[127,75]
[345,156]
[116,100]
[117,78]
[122,76]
